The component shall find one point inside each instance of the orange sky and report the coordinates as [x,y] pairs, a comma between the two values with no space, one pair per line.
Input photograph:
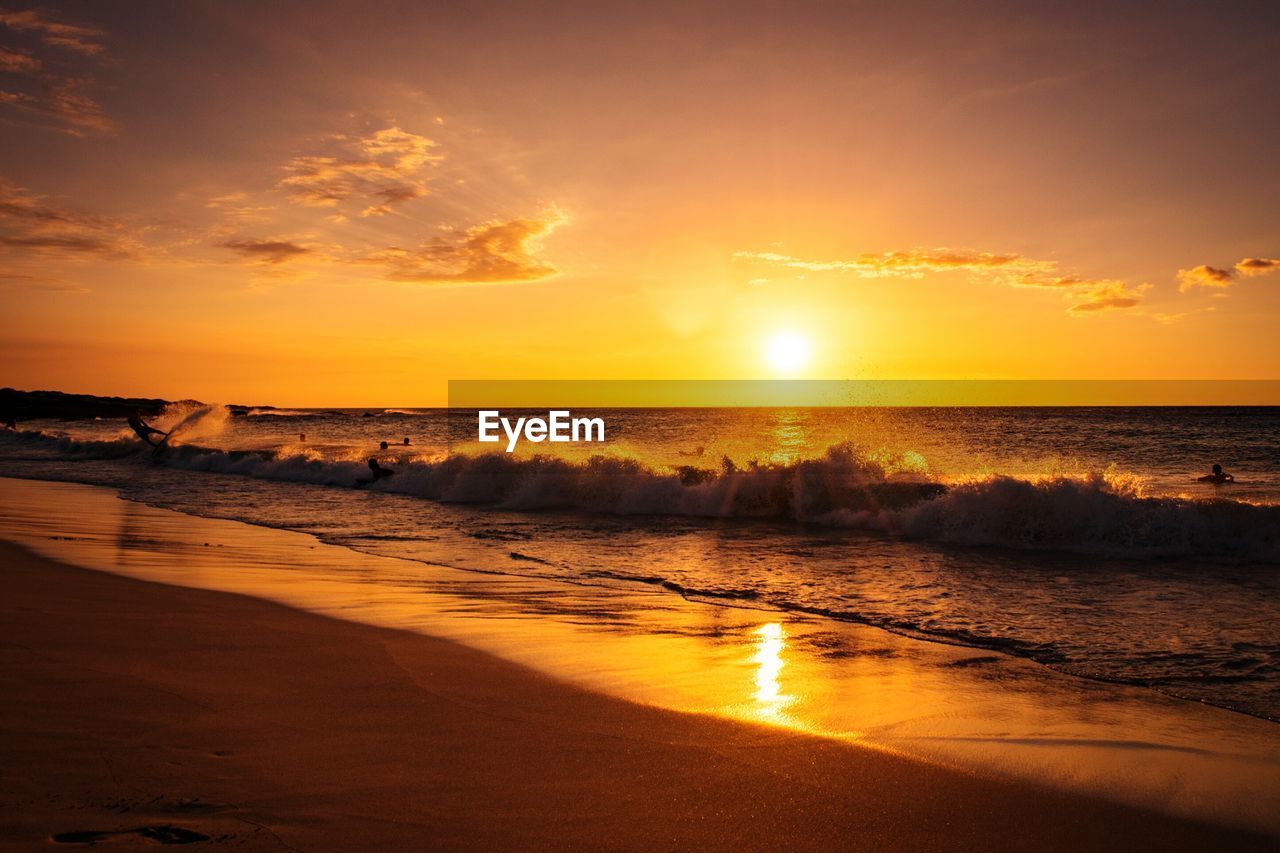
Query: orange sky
[321,204]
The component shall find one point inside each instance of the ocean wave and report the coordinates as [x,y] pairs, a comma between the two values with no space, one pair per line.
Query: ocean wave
[1103,513]
[121,447]
[278,413]
[1088,515]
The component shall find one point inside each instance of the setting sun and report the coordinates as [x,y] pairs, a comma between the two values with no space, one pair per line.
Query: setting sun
[680,425]
[788,352]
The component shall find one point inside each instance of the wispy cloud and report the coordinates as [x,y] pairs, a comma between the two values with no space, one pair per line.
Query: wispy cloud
[267,251]
[18,61]
[21,205]
[51,77]
[1219,277]
[1257,266]
[29,224]
[1170,319]
[376,172]
[239,210]
[369,176]
[85,40]
[912,263]
[1109,296]
[1204,276]
[23,281]
[491,253]
[1015,270]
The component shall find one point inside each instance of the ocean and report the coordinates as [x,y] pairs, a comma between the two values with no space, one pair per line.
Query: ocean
[1079,538]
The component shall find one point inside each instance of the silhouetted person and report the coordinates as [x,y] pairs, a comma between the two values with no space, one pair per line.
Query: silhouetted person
[144,429]
[383,445]
[1218,476]
[11,423]
[406,439]
[302,436]
[378,471]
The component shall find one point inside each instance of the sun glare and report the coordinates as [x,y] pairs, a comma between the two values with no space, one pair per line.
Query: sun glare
[788,352]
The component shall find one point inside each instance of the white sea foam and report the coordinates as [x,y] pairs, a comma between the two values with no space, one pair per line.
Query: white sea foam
[278,413]
[1102,513]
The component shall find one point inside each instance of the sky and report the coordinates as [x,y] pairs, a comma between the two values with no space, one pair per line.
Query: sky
[353,203]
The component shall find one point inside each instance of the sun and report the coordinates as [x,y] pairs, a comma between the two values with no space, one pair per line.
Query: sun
[788,352]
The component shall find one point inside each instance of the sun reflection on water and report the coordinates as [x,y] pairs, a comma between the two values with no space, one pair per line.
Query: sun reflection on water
[788,436]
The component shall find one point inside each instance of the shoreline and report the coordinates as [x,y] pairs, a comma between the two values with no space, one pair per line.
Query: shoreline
[994,715]
[709,598]
[136,704]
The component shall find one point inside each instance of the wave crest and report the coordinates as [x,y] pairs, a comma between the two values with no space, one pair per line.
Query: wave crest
[1089,515]
[847,487]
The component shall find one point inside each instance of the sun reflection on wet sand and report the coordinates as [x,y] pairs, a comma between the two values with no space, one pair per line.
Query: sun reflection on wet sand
[772,702]
[938,703]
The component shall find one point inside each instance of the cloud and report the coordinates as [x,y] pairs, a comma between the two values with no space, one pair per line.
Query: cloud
[267,251]
[29,224]
[1109,296]
[18,61]
[378,172]
[1257,266]
[51,78]
[22,281]
[1204,276]
[1090,296]
[490,253]
[85,40]
[912,263]
[1207,276]
[240,210]
[369,176]
[68,243]
[64,100]
[17,203]
[1005,268]
[1170,319]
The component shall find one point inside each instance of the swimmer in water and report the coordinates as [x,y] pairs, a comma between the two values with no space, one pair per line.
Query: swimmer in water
[1218,477]
[378,471]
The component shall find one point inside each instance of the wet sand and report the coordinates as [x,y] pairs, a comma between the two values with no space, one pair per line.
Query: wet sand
[142,712]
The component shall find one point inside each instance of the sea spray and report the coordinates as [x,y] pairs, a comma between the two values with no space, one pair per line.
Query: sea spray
[189,422]
[1102,513]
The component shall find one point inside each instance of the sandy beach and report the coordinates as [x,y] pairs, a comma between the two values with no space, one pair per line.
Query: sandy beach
[667,426]
[196,714]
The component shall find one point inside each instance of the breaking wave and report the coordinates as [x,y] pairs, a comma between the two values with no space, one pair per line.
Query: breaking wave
[279,413]
[1102,513]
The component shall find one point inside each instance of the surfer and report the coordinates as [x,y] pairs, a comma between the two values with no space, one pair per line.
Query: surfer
[406,440]
[378,471]
[1218,477]
[145,430]
[384,445]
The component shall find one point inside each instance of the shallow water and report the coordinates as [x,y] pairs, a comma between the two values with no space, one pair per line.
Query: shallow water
[1078,538]
[977,710]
